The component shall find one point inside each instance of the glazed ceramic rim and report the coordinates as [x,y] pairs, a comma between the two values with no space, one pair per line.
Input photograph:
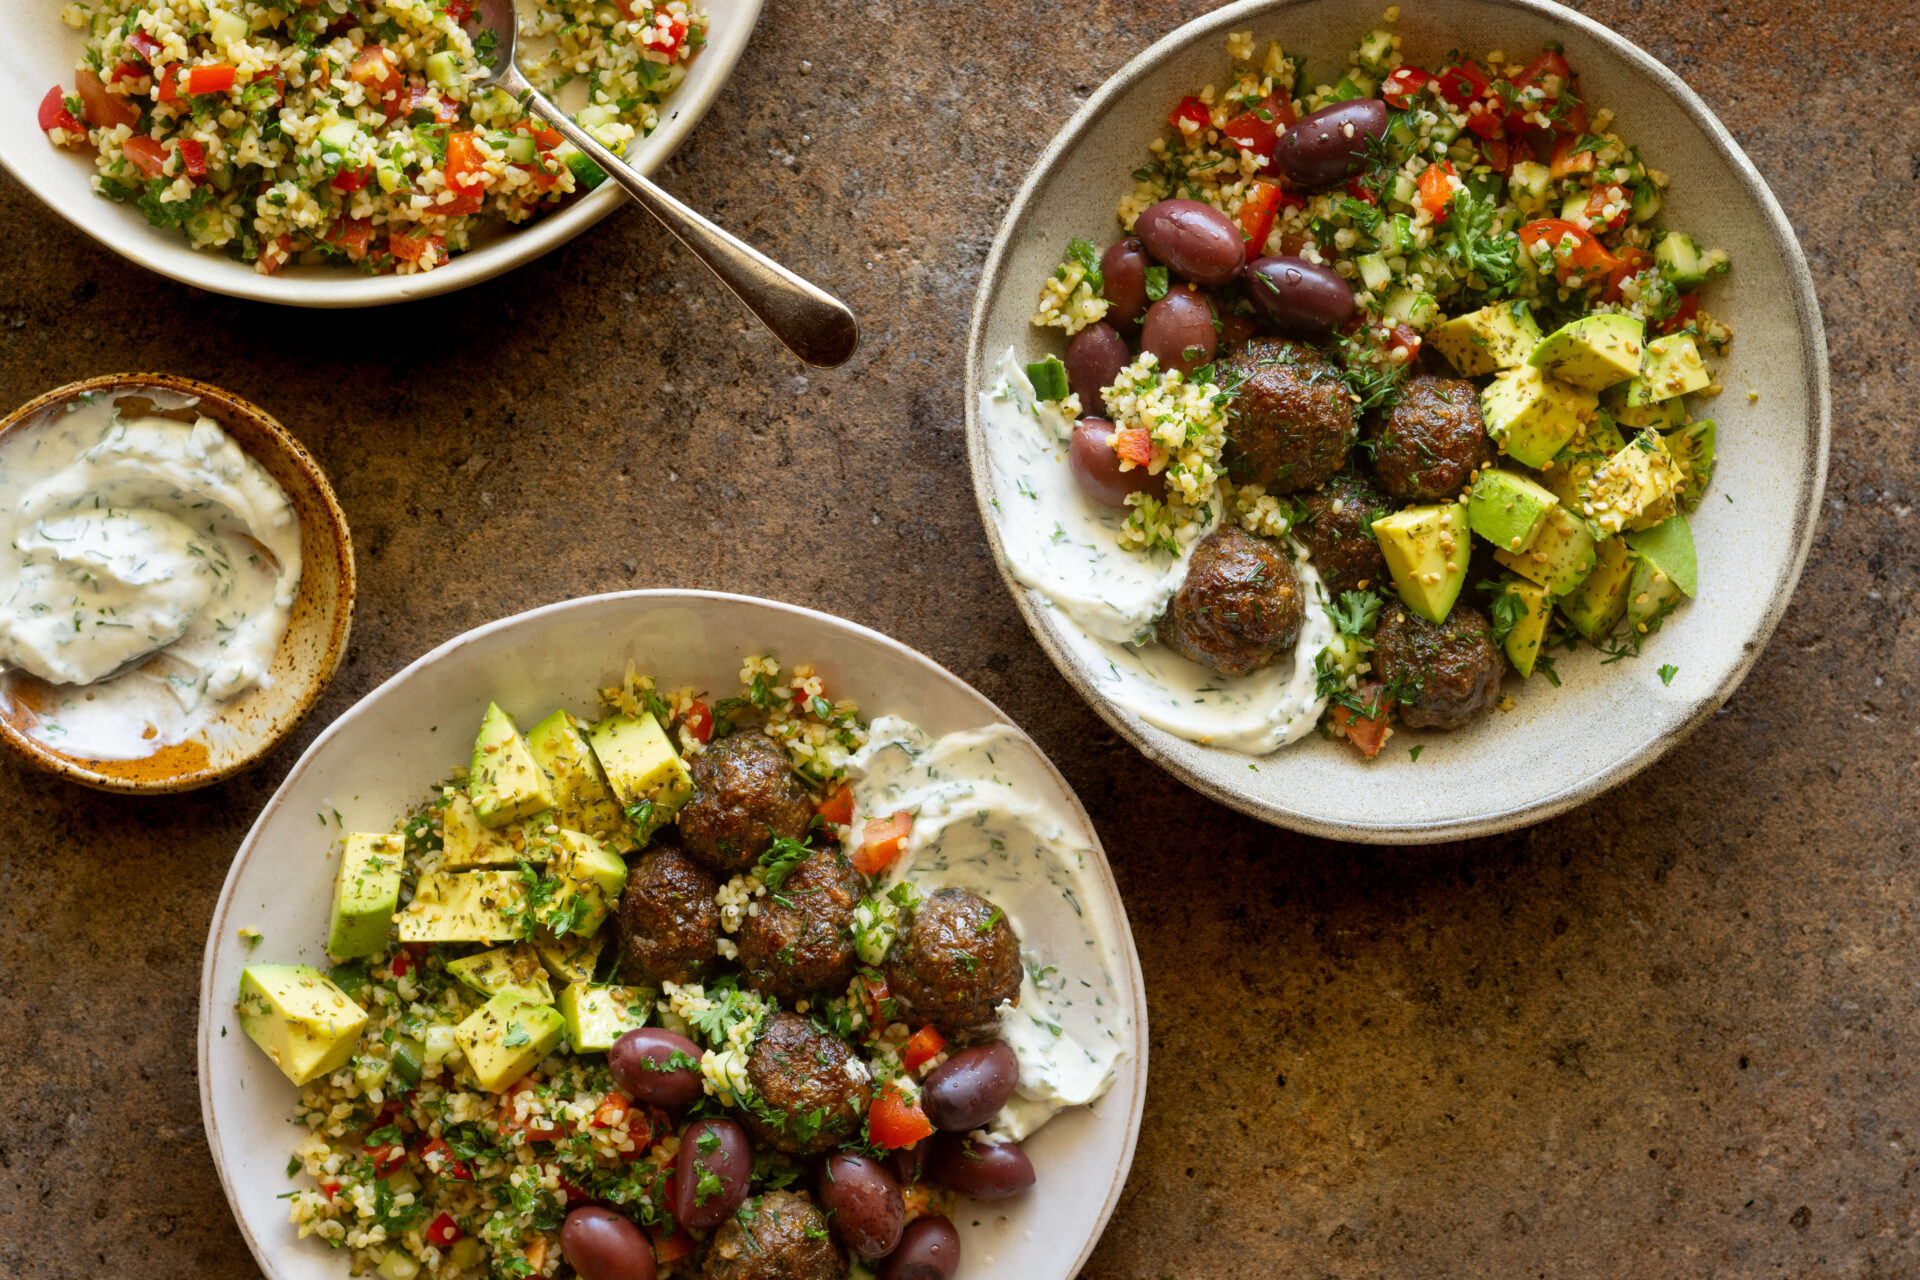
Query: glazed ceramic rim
[1806,311]
[150,249]
[217,928]
[341,548]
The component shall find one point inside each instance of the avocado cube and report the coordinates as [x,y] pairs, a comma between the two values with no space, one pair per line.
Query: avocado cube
[1651,596]
[1531,415]
[582,799]
[465,843]
[504,782]
[1671,367]
[366,892]
[1668,548]
[587,880]
[506,1038]
[1636,488]
[1681,260]
[1426,549]
[1561,556]
[1506,508]
[1593,352]
[1523,639]
[646,773]
[1692,450]
[597,1016]
[570,957]
[1494,337]
[1595,607]
[1664,415]
[471,906]
[300,1020]
[515,970]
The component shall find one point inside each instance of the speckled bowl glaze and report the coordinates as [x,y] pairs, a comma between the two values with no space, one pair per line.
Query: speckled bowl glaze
[310,652]
[39,50]
[1558,747]
[378,759]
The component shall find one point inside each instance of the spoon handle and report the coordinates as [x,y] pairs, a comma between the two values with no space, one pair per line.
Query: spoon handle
[814,325]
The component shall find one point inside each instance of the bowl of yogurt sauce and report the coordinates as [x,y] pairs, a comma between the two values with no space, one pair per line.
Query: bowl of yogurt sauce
[178,582]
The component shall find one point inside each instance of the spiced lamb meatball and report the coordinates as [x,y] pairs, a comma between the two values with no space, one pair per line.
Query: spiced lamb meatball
[955,960]
[668,923]
[1429,444]
[1338,531]
[799,939]
[744,796]
[1441,676]
[1291,421]
[1240,608]
[813,1092]
[775,1236]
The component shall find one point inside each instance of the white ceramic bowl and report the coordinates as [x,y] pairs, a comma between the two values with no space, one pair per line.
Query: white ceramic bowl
[1558,747]
[382,755]
[38,50]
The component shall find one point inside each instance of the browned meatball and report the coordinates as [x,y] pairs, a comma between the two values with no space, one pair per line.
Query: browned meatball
[667,919]
[1429,444]
[956,959]
[1240,608]
[1338,531]
[776,1236]
[1291,421]
[810,1091]
[800,938]
[744,795]
[1441,676]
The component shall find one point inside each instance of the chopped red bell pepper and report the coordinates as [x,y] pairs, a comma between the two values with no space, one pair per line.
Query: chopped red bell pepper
[1258,210]
[1134,444]
[880,842]
[386,1157]
[836,805]
[1191,111]
[1462,83]
[443,1231]
[1398,90]
[699,721]
[1436,189]
[217,78]
[193,159]
[144,45]
[147,155]
[448,1165]
[893,1122]
[352,179]
[103,110]
[1258,129]
[1359,190]
[461,11]
[923,1047]
[54,115]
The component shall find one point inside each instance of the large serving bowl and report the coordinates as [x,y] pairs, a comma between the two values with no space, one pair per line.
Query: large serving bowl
[383,755]
[1559,746]
[38,50]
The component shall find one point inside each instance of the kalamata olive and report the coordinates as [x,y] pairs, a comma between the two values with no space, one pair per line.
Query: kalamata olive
[1303,298]
[1123,268]
[864,1203]
[968,1089]
[1196,241]
[930,1250]
[983,1170]
[1097,467]
[909,1164]
[602,1245]
[643,1062]
[1095,358]
[719,1147]
[1330,145]
[1179,330]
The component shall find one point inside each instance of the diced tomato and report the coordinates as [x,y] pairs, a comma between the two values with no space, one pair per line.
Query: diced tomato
[352,179]
[125,71]
[443,1231]
[543,137]
[1578,257]
[836,806]
[664,35]
[427,249]
[923,1047]
[402,963]
[329,1189]
[217,78]
[54,115]
[1499,153]
[893,1122]
[1367,732]
[536,1254]
[699,721]
[465,166]
[144,45]
[1462,83]
[880,842]
[1683,315]
[460,11]
[387,1156]
[576,1195]
[1191,116]
[1399,88]
[193,159]
[147,155]
[1234,327]
[612,1110]
[1540,88]
[1436,189]
[874,994]
[373,71]
[670,1243]
[1357,188]
[166,80]
[537,1130]
[1566,160]
[1631,262]
[1405,343]
[1257,213]
[103,110]
[1259,128]
[1133,444]
[417,97]
[1597,202]
[448,1166]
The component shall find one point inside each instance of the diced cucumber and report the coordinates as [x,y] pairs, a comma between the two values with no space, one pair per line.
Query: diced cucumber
[1374,272]
[1404,191]
[1444,130]
[408,1056]
[226,28]
[593,115]
[397,1266]
[1530,185]
[1396,233]
[1373,50]
[1412,308]
[443,69]
[339,136]
[518,148]
[388,175]
[1680,259]
[586,174]
[1400,133]
[1646,202]
[1574,206]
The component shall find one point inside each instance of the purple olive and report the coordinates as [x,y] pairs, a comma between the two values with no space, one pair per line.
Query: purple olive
[982,1170]
[1330,145]
[930,1250]
[1095,358]
[1097,467]
[644,1063]
[968,1089]
[909,1164]
[864,1202]
[1179,330]
[1196,241]
[718,1147]
[602,1245]
[1123,268]
[1301,297]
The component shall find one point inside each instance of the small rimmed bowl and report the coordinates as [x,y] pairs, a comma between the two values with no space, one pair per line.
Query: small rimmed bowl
[316,638]
[1558,747]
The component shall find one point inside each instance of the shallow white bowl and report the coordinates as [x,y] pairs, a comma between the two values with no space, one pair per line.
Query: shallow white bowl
[382,755]
[38,50]
[1558,747]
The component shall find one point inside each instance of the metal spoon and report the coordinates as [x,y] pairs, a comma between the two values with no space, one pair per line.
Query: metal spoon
[814,325]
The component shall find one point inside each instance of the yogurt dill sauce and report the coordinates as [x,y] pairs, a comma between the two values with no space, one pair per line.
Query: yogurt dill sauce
[1062,544]
[978,826]
[150,573]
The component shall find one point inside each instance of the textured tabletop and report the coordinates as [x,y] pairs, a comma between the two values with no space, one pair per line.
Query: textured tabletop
[1669,1034]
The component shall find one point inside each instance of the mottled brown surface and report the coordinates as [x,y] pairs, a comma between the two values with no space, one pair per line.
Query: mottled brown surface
[1670,1034]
